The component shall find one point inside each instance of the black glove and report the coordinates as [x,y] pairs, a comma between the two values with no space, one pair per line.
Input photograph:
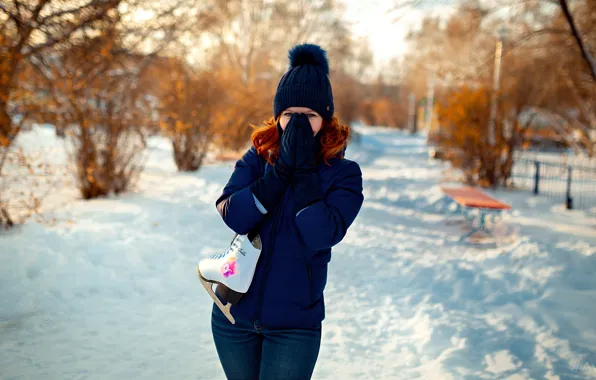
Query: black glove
[286,162]
[307,184]
[271,187]
[306,150]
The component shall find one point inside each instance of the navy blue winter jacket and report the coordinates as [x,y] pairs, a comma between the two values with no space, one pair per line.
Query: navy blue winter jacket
[287,288]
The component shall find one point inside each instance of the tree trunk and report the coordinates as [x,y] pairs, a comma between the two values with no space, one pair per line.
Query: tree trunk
[5,218]
[6,135]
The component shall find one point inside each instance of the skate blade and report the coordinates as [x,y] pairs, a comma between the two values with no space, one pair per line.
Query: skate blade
[225,309]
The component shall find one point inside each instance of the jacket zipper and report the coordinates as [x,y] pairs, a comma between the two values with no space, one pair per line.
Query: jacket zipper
[278,211]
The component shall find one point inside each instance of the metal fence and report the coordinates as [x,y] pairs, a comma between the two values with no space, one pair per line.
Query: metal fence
[573,185]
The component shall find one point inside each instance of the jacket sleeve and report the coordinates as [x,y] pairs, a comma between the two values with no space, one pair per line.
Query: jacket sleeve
[325,223]
[236,205]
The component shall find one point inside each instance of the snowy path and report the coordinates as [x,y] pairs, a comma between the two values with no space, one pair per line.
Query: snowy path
[110,291]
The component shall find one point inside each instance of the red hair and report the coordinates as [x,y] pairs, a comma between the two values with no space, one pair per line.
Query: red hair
[334,137]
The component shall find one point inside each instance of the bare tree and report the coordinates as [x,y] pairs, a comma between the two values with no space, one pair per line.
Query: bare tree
[578,38]
[96,93]
[30,27]
[566,31]
[571,39]
[101,92]
[27,29]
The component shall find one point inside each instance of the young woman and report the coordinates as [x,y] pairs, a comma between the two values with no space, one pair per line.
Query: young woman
[297,189]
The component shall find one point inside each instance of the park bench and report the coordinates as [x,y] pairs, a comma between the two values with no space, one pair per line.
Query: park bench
[474,205]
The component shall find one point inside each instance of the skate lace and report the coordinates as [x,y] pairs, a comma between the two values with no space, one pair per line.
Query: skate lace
[235,245]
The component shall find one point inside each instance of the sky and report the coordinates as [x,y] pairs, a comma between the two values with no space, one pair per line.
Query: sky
[386,29]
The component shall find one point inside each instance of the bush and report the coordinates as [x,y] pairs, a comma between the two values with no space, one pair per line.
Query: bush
[187,102]
[464,120]
[190,149]
[25,180]
[106,161]
[102,103]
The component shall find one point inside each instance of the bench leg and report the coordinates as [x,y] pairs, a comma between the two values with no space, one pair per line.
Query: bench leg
[442,204]
[481,225]
[495,215]
[468,214]
[458,210]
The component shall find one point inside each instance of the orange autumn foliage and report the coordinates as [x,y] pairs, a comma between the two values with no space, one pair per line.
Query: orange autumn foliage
[463,132]
[384,111]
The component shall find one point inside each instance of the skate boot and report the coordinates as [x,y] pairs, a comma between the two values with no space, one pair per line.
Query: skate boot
[231,272]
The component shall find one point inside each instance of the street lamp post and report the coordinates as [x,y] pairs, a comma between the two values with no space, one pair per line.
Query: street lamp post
[412,113]
[496,86]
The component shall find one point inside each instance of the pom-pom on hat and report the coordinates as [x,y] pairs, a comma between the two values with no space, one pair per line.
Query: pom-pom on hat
[306,83]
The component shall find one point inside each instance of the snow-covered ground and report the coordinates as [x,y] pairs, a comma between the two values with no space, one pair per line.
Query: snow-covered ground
[110,290]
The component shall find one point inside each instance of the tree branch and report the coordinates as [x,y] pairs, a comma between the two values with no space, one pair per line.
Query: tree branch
[15,18]
[54,41]
[584,51]
[69,11]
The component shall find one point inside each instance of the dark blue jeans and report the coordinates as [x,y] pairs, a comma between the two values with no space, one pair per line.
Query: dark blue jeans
[249,351]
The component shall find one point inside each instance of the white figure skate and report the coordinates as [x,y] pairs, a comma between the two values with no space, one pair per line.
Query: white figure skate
[231,271]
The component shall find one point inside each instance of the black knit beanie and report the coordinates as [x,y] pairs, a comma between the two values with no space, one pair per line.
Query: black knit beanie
[306,83]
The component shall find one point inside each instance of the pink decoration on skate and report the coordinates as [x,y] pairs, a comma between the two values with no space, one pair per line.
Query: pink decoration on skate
[229,267]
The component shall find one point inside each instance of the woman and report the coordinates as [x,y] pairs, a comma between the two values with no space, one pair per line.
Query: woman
[297,190]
